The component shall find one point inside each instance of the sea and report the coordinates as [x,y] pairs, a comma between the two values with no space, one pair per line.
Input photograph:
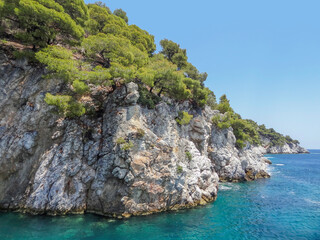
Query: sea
[286,206]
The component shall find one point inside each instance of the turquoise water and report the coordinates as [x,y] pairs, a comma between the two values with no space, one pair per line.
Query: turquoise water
[287,206]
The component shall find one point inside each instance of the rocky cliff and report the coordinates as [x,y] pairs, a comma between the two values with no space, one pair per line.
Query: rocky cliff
[287,148]
[124,160]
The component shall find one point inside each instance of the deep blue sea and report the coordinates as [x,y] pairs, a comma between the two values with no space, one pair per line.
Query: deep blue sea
[286,206]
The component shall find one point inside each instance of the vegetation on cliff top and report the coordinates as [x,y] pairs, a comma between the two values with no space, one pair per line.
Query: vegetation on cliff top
[89,45]
[246,130]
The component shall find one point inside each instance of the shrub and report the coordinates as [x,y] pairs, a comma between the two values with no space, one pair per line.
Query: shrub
[80,87]
[222,122]
[120,140]
[66,105]
[75,109]
[244,130]
[240,144]
[224,105]
[147,98]
[184,118]
[188,156]
[179,169]
[127,146]
[140,133]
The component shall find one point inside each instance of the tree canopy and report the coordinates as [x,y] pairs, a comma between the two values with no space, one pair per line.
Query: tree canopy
[110,49]
[120,13]
[40,22]
[89,45]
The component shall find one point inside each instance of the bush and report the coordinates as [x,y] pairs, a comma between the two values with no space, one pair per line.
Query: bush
[147,98]
[179,169]
[75,109]
[127,146]
[184,118]
[188,156]
[276,139]
[140,133]
[66,105]
[80,87]
[120,140]
[224,105]
[222,122]
[243,130]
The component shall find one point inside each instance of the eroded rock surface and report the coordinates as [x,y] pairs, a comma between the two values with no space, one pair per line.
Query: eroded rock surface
[126,160]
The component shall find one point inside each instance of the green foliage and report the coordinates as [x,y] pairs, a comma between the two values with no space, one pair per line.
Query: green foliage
[61,101]
[170,48]
[224,105]
[61,64]
[289,140]
[147,98]
[114,50]
[180,59]
[248,131]
[244,131]
[59,61]
[40,21]
[120,140]
[80,87]
[188,156]
[65,104]
[192,79]
[25,54]
[222,122]
[193,73]
[102,5]
[276,139]
[161,75]
[77,10]
[98,18]
[108,49]
[141,39]
[122,14]
[211,100]
[126,146]
[199,94]
[179,169]
[103,21]
[75,109]
[184,118]
[140,133]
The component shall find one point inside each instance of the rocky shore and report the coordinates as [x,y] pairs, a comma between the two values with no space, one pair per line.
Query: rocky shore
[124,160]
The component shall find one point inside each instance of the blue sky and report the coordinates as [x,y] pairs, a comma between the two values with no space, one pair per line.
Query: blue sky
[265,55]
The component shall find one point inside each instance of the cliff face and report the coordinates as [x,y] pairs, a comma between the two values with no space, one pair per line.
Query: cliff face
[126,160]
[287,148]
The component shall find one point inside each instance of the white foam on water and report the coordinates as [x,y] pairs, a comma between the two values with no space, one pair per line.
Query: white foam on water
[224,188]
[228,186]
[272,171]
[279,164]
[312,201]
